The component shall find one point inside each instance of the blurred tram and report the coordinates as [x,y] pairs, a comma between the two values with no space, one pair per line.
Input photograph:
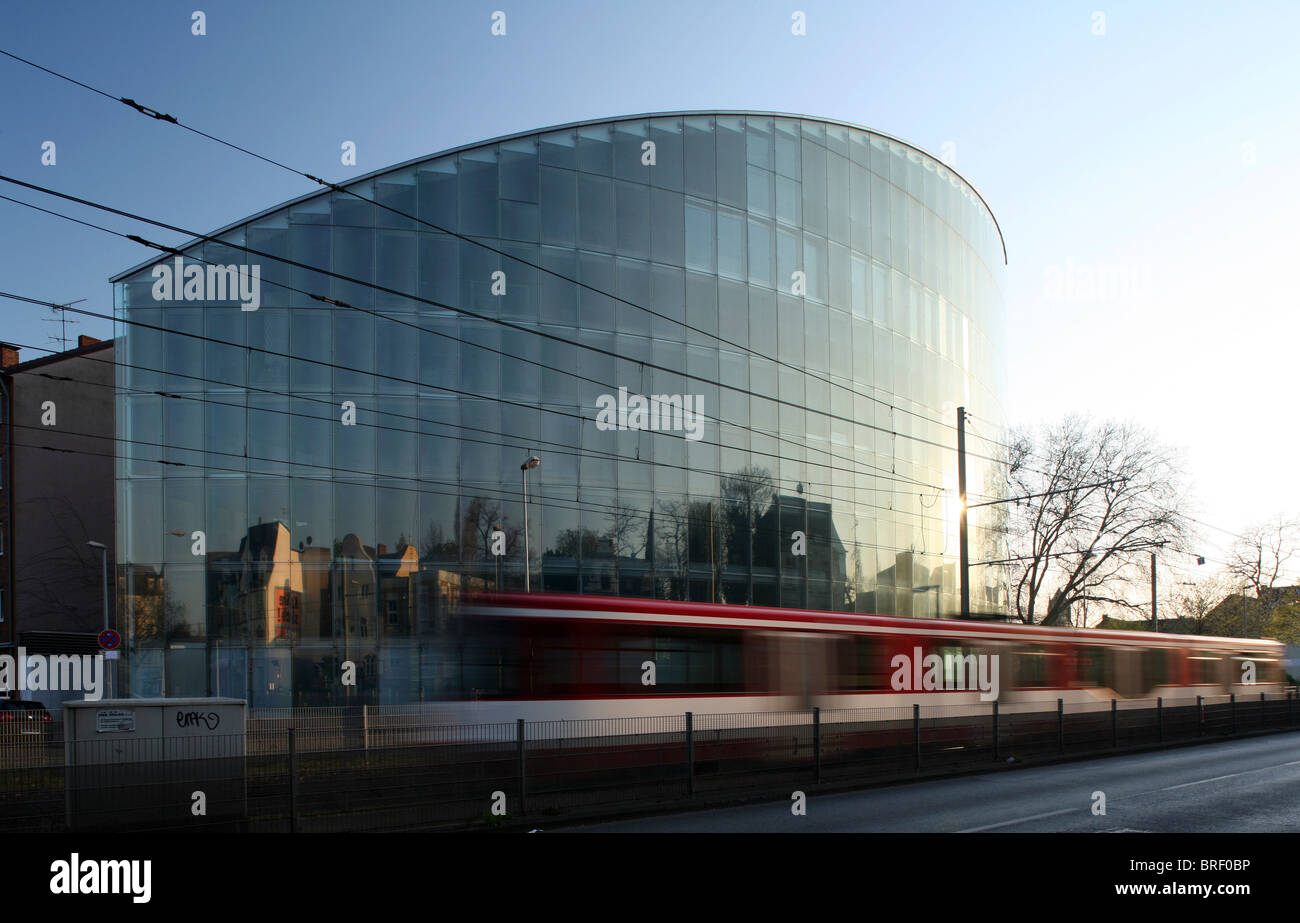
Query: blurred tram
[547,657]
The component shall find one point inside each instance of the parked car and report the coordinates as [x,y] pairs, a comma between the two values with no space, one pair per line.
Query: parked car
[26,718]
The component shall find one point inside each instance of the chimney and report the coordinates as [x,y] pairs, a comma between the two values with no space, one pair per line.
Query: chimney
[83,340]
[8,355]
[383,549]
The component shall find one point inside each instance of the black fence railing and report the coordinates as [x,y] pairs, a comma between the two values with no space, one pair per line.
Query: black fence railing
[310,772]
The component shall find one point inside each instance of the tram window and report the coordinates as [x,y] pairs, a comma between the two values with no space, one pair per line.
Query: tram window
[863,664]
[1090,667]
[490,670]
[1267,669]
[1204,667]
[558,670]
[694,660]
[1155,667]
[1032,666]
[599,668]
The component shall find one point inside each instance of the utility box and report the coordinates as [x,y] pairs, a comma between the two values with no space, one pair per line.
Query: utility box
[134,764]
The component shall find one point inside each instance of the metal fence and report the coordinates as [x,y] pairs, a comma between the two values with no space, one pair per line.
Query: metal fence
[397,768]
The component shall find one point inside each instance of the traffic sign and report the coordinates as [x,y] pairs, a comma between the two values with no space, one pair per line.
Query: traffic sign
[109,640]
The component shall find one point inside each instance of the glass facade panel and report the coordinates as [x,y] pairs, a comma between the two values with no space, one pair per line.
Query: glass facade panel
[799,282]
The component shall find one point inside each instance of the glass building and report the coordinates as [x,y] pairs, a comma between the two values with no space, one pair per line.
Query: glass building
[715,330]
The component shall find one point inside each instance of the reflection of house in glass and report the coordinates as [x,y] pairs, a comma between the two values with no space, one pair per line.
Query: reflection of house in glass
[309,601]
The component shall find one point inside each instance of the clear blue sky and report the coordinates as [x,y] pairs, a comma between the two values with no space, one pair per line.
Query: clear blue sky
[1164,153]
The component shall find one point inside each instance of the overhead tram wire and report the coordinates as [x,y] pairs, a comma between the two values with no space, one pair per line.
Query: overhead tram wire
[775,436]
[443,306]
[486,493]
[456,391]
[524,445]
[610,456]
[155,114]
[541,334]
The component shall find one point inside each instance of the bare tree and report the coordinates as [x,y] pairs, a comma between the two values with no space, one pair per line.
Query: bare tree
[1259,560]
[1095,498]
[1192,603]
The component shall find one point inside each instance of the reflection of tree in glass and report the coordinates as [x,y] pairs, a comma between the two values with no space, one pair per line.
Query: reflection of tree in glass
[747,496]
[482,518]
[436,546]
[575,543]
[671,549]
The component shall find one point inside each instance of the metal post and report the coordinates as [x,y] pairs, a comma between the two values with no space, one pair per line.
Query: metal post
[293,783]
[916,736]
[1200,715]
[365,726]
[964,541]
[1160,716]
[1261,709]
[1114,723]
[995,730]
[690,754]
[523,772]
[1233,701]
[532,461]
[817,744]
[112,666]
[1290,707]
[528,576]
[806,543]
[1155,619]
[1060,725]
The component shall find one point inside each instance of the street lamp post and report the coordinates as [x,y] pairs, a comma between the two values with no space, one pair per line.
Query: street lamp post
[531,462]
[103,555]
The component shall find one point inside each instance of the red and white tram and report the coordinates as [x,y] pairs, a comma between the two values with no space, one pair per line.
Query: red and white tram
[545,657]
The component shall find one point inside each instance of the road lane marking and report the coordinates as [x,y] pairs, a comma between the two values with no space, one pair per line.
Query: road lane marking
[1170,788]
[1019,820]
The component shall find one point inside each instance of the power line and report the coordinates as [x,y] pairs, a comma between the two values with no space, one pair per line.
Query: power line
[492,494]
[418,384]
[524,444]
[541,334]
[155,114]
[468,239]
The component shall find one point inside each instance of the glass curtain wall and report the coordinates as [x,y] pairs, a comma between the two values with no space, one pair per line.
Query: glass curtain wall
[718,332]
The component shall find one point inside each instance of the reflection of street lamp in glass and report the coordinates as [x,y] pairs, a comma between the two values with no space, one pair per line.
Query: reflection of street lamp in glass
[532,462]
[103,554]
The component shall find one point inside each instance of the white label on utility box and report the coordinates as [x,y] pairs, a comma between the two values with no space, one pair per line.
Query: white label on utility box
[114,719]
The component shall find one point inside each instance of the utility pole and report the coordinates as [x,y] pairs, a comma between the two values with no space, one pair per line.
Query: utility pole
[1155,619]
[961,488]
[531,462]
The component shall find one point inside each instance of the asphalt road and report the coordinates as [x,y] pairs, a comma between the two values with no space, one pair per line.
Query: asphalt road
[1240,786]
